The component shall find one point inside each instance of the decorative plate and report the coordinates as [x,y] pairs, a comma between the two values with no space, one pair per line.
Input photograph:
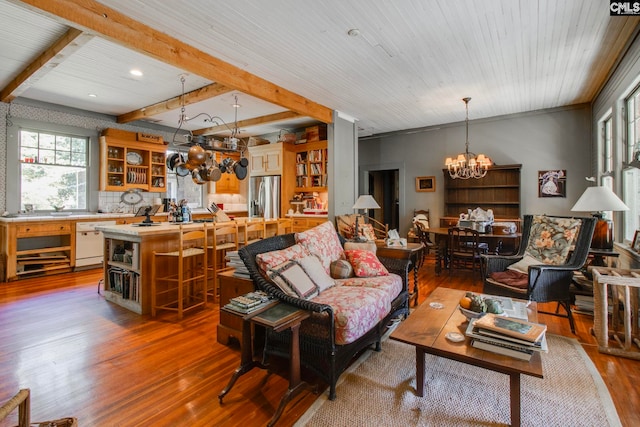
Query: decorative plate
[134,158]
[131,197]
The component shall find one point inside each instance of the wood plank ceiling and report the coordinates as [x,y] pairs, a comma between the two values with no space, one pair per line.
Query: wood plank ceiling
[292,62]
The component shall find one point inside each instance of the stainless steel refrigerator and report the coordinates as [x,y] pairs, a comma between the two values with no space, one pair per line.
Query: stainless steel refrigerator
[264,196]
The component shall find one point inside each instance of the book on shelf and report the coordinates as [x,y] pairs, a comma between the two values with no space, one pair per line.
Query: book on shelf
[517,328]
[503,349]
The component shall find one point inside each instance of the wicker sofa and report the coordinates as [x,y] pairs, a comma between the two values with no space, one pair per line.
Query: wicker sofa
[335,332]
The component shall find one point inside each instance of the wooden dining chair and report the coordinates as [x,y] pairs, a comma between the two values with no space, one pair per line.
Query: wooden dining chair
[464,249]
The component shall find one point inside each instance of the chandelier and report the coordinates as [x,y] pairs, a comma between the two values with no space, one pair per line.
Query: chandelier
[468,165]
[200,160]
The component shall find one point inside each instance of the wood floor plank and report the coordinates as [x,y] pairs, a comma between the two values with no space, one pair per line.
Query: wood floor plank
[83,356]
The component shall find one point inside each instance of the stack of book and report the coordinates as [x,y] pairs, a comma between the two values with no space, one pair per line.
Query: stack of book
[509,336]
[250,302]
[234,260]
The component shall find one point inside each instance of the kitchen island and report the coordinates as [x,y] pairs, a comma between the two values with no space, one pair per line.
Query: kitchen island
[128,250]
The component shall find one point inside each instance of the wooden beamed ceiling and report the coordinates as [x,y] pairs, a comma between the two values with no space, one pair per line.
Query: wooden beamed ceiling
[88,17]
[62,48]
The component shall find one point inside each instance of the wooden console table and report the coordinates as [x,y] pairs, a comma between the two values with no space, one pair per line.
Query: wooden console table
[278,317]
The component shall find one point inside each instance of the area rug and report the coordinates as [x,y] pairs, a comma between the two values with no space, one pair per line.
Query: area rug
[379,390]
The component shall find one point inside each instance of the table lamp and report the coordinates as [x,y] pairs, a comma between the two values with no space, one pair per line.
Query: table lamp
[598,200]
[365,202]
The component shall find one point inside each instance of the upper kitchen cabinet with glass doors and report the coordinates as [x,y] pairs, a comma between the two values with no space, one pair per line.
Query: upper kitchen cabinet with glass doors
[130,160]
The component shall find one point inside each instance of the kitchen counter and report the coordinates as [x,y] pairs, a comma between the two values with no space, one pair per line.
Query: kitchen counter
[97,216]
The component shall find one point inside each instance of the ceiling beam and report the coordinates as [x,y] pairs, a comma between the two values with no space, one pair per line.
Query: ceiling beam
[204,93]
[95,17]
[64,47]
[270,118]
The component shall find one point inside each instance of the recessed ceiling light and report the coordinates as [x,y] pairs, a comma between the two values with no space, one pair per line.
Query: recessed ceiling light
[354,32]
[93,95]
[136,72]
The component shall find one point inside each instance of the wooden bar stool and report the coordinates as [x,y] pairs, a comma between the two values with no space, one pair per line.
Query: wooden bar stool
[179,278]
[224,237]
[254,230]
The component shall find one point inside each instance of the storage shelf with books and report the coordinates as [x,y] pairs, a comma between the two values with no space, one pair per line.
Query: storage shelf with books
[122,274]
[310,163]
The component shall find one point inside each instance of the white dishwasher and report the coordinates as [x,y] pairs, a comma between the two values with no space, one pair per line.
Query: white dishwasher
[89,243]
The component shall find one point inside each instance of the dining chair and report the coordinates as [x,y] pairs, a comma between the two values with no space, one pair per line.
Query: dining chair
[463,248]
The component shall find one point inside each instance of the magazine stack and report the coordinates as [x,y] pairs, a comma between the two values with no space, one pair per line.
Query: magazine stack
[508,336]
[234,260]
[248,303]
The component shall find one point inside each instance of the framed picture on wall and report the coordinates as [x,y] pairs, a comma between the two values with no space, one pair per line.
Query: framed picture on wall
[635,244]
[552,183]
[425,183]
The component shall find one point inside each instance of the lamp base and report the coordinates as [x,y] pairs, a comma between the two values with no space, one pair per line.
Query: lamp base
[603,234]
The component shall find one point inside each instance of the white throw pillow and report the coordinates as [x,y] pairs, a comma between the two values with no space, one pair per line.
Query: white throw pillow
[291,278]
[314,268]
[523,265]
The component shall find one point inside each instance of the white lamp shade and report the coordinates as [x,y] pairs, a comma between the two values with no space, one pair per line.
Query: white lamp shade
[366,202]
[599,199]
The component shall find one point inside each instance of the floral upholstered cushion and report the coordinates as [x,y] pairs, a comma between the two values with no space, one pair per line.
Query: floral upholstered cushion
[365,263]
[356,310]
[551,239]
[390,284]
[323,241]
[271,259]
[364,231]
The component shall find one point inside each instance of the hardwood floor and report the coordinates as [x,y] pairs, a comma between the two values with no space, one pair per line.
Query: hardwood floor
[85,357]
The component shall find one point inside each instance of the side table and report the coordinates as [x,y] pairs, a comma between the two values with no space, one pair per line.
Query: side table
[230,325]
[279,317]
[412,252]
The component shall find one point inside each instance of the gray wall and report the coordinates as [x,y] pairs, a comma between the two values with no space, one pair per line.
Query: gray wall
[539,140]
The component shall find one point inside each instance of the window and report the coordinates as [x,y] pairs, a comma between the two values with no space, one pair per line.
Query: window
[53,170]
[183,188]
[631,175]
[607,150]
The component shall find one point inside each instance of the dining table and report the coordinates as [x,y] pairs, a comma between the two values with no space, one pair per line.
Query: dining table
[498,243]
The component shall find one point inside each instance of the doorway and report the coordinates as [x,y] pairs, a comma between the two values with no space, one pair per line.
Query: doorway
[384,187]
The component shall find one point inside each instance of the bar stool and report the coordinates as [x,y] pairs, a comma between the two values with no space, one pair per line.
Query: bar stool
[223,238]
[254,230]
[179,277]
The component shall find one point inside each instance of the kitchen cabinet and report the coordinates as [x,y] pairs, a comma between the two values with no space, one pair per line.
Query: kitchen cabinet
[229,182]
[37,248]
[127,163]
[265,159]
[299,224]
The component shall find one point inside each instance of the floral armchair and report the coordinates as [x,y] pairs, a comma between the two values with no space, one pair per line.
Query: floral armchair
[551,249]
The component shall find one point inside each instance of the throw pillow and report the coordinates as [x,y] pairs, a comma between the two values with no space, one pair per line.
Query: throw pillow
[314,269]
[365,263]
[269,260]
[522,266]
[323,241]
[341,269]
[511,278]
[364,230]
[291,278]
[367,246]
[551,239]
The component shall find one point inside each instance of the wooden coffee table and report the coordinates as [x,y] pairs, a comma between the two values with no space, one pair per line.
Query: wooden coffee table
[427,327]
